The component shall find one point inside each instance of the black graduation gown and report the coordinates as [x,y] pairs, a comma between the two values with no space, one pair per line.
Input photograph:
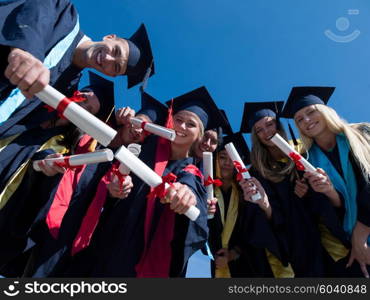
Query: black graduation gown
[256,234]
[51,257]
[300,228]
[119,240]
[18,214]
[215,225]
[23,148]
[36,26]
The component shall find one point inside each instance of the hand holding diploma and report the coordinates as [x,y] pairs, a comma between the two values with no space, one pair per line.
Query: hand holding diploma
[161,131]
[301,163]
[76,160]
[240,166]
[159,184]
[104,135]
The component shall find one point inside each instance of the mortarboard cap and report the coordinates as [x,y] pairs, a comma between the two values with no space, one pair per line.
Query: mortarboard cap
[301,97]
[151,107]
[140,64]
[255,111]
[104,90]
[226,127]
[200,102]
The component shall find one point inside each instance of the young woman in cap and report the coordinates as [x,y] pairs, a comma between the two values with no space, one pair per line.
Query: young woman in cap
[342,156]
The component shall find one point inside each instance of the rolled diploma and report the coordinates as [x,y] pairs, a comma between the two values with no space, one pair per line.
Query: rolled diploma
[208,172]
[79,159]
[135,149]
[161,131]
[147,175]
[234,155]
[80,117]
[287,149]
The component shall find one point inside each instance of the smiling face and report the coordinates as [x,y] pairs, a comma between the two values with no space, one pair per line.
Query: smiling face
[310,121]
[265,129]
[187,127]
[208,143]
[109,56]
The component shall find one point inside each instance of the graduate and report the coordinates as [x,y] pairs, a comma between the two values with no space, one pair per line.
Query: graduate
[224,239]
[62,232]
[286,192]
[21,184]
[342,157]
[41,43]
[143,237]
[212,138]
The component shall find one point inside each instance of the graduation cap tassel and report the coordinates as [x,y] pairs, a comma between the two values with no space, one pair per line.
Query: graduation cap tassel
[169,121]
[144,83]
[292,135]
[94,142]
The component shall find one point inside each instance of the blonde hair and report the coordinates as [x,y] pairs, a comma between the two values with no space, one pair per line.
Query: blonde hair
[359,145]
[201,131]
[265,164]
[363,128]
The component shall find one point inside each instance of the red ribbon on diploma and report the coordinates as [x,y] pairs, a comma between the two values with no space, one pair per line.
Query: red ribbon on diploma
[209,181]
[160,190]
[240,170]
[121,177]
[297,160]
[77,97]
[65,164]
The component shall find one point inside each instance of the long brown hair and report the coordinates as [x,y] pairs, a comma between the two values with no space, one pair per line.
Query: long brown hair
[265,164]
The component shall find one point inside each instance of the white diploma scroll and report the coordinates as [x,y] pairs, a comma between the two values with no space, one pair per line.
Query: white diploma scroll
[147,175]
[161,131]
[78,159]
[208,172]
[135,149]
[234,155]
[80,117]
[291,153]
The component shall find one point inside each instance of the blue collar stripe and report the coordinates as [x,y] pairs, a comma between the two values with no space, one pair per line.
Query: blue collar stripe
[347,186]
[16,98]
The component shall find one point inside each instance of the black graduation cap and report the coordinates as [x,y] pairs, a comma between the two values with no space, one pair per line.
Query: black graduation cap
[200,102]
[151,107]
[140,64]
[104,90]
[255,111]
[304,96]
[240,144]
[226,127]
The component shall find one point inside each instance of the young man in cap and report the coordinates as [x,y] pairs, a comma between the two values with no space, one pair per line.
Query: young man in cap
[41,43]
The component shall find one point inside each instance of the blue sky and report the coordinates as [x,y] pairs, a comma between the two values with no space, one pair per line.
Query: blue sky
[245,50]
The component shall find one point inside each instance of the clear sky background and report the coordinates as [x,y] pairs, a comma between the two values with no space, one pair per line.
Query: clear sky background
[244,50]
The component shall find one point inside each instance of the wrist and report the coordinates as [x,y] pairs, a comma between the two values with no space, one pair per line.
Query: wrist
[264,205]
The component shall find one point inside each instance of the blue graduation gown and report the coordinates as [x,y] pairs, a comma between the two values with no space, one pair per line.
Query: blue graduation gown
[37,26]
